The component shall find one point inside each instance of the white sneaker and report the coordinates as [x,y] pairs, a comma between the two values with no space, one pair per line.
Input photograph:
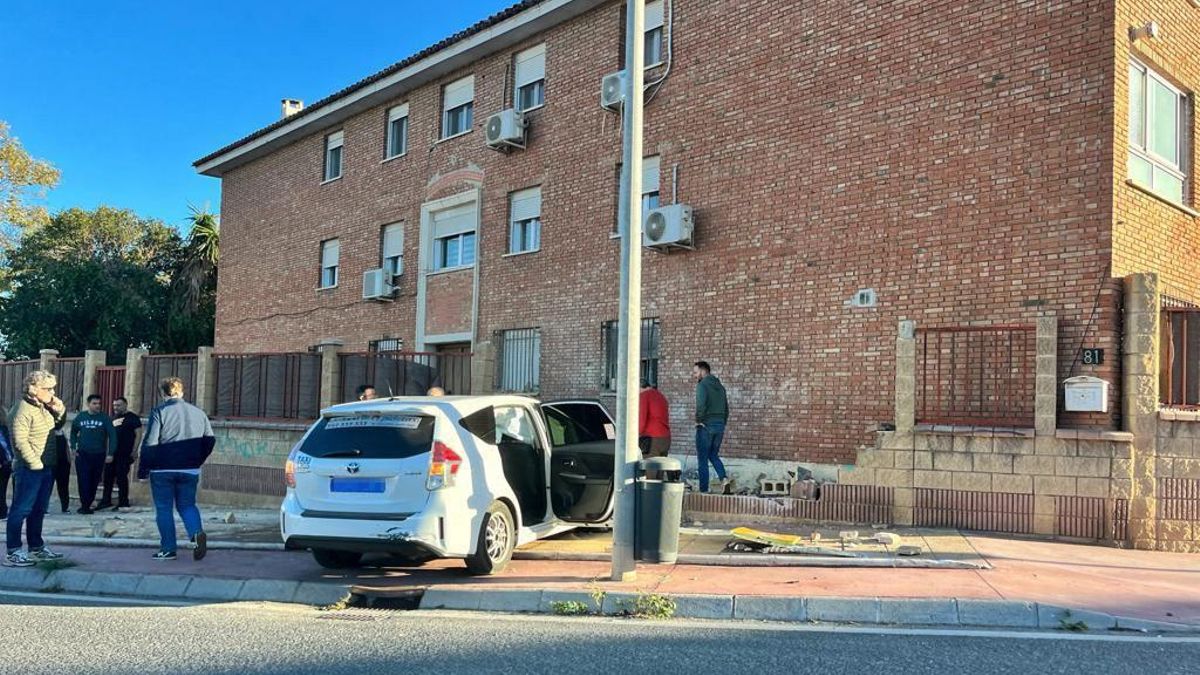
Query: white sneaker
[18,559]
[45,553]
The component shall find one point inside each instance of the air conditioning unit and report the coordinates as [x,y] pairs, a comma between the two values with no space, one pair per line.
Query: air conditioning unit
[669,227]
[506,129]
[377,285]
[612,90]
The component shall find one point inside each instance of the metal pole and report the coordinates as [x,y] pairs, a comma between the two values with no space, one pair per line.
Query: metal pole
[629,329]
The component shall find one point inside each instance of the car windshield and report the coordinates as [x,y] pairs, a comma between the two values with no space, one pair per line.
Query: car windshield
[370,436]
[574,423]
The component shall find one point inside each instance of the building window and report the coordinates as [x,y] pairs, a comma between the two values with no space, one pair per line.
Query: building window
[654,33]
[392,249]
[1179,376]
[519,360]
[457,100]
[386,345]
[454,237]
[651,339]
[650,193]
[1157,138]
[531,79]
[333,156]
[525,221]
[330,252]
[397,131]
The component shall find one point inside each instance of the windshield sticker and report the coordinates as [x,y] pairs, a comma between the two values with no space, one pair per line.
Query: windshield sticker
[303,463]
[610,431]
[374,421]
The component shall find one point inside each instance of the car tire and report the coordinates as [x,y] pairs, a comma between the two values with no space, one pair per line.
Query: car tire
[336,560]
[497,539]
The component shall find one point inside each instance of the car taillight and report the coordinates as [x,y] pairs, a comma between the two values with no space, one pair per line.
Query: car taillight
[289,469]
[443,467]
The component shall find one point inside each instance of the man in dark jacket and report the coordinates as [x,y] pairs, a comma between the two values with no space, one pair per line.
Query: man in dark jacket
[6,460]
[712,412]
[95,443]
[178,440]
[128,425]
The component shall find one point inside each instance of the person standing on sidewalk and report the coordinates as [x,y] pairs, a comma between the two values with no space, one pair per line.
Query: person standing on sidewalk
[33,422]
[62,469]
[178,440]
[712,412]
[654,426]
[6,460]
[128,426]
[95,444]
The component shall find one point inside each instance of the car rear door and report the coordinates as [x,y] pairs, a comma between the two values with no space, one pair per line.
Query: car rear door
[581,435]
[366,463]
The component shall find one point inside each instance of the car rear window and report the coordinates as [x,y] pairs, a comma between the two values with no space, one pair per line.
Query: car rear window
[370,436]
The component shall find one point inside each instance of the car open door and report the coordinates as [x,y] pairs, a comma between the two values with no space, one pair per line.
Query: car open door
[582,438]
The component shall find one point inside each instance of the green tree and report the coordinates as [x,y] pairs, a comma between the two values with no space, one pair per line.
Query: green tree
[194,286]
[22,179]
[90,280]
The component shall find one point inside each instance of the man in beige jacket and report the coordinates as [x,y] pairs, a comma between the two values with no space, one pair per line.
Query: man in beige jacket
[34,419]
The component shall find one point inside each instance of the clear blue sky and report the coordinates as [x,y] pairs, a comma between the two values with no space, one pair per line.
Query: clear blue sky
[123,96]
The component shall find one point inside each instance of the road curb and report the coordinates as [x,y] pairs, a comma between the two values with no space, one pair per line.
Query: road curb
[118,542]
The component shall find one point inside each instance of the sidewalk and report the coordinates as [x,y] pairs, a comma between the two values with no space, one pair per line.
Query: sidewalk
[1140,585]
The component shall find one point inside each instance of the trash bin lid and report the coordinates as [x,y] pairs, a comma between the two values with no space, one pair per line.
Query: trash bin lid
[660,464]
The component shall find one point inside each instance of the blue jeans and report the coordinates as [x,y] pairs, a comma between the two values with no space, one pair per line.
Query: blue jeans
[31,496]
[708,447]
[174,490]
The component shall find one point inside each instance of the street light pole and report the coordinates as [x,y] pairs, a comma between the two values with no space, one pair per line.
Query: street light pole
[629,326]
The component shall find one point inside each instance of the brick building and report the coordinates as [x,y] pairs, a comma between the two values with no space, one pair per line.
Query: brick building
[849,166]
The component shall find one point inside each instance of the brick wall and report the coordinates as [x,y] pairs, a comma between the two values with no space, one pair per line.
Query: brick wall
[952,156]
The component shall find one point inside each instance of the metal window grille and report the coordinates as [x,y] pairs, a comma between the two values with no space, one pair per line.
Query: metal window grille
[1179,370]
[651,343]
[976,375]
[518,360]
[386,345]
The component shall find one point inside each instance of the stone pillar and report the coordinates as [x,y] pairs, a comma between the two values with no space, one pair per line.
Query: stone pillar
[483,368]
[46,359]
[906,378]
[206,381]
[133,381]
[1139,405]
[93,360]
[1045,401]
[331,371]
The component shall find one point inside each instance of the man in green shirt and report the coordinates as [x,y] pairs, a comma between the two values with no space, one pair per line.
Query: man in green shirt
[712,412]
[95,444]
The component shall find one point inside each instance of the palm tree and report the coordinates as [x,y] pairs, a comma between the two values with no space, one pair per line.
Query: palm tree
[197,273]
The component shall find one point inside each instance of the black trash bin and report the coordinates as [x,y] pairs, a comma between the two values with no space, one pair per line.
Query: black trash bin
[659,509]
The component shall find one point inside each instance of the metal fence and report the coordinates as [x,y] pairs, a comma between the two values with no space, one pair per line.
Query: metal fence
[69,373]
[404,373]
[980,511]
[977,375]
[12,381]
[110,384]
[268,386]
[1179,376]
[157,367]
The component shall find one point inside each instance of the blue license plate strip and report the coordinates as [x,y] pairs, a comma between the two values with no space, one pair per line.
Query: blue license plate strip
[367,485]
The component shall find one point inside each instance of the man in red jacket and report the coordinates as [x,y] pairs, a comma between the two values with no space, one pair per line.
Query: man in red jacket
[654,427]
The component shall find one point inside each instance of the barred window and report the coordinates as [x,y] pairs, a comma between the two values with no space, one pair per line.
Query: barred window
[518,360]
[651,340]
[386,345]
[1179,376]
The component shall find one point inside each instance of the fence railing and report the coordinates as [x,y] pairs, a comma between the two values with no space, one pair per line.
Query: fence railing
[69,373]
[1179,376]
[12,381]
[110,384]
[404,373]
[977,375]
[157,367]
[268,386]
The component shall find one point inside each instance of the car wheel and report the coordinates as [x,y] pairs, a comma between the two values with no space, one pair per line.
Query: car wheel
[497,539]
[336,560]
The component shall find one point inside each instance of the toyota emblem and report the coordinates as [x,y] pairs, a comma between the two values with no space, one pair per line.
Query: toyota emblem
[352,467]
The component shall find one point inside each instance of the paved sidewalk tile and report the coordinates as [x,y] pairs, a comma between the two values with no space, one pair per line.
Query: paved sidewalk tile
[447,598]
[211,588]
[844,610]
[918,611]
[163,586]
[704,606]
[767,608]
[997,613]
[268,590]
[510,600]
[1052,617]
[114,583]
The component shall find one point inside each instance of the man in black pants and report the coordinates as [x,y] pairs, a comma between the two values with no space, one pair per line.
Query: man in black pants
[62,470]
[128,426]
[6,460]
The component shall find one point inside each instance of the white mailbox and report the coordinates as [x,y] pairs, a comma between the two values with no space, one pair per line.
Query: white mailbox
[1085,394]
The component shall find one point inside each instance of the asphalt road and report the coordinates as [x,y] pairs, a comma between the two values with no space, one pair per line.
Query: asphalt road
[56,636]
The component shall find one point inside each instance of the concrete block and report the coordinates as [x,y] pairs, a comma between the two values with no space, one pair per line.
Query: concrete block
[1052,617]
[212,588]
[998,613]
[895,440]
[1094,448]
[268,590]
[319,594]
[922,460]
[766,608]
[902,515]
[993,463]
[918,612]
[952,461]
[1045,505]
[163,586]
[510,600]
[1184,468]
[1033,465]
[934,443]
[902,497]
[549,597]
[22,578]
[1014,446]
[1054,485]
[973,482]
[68,581]
[1174,530]
[1122,468]
[1121,489]
[903,459]
[856,477]
[704,606]
[844,610]
[974,444]
[1095,467]
[1012,483]
[894,477]
[450,598]
[1092,487]
[113,583]
[874,459]
[1045,524]
[932,479]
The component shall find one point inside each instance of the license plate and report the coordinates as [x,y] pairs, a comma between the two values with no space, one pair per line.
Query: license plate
[369,485]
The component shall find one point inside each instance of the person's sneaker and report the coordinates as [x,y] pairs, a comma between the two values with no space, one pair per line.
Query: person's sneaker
[201,545]
[85,511]
[43,553]
[18,559]
[164,555]
[123,505]
[104,505]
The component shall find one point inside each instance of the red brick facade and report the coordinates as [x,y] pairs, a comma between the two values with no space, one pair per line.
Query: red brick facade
[959,158]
